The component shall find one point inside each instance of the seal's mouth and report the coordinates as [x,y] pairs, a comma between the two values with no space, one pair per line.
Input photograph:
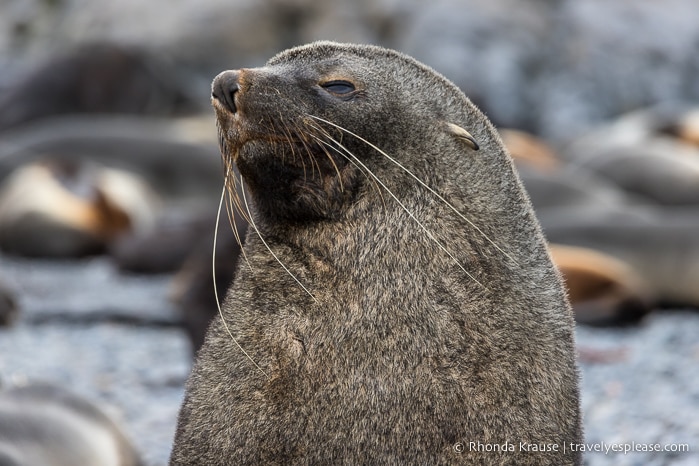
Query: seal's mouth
[295,150]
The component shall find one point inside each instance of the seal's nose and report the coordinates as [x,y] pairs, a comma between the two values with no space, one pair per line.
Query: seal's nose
[224,88]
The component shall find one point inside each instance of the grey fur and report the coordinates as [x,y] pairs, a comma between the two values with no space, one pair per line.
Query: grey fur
[395,354]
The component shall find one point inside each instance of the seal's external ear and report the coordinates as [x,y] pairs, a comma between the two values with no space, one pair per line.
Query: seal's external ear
[462,134]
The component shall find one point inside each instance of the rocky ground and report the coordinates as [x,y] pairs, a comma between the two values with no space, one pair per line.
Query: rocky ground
[114,338]
[641,385]
[107,336]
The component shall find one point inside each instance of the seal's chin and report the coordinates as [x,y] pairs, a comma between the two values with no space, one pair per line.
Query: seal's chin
[291,179]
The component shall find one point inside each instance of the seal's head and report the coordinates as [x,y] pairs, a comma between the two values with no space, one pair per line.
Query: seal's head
[308,129]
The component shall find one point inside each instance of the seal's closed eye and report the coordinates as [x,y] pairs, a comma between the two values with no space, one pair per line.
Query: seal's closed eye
[339,87]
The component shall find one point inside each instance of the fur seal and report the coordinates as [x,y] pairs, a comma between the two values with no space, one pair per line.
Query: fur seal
[649,154]
[663,172]
[396,302]
[661,246]
[528,150]
[96,78]
[602,289]
[59,208]
[684,126]
[178,157]
[43,424]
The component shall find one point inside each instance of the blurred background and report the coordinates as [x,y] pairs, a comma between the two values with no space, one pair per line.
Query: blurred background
[110,177]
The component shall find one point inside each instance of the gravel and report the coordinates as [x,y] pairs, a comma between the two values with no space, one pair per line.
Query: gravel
[114,339]
[107,336]
[641,384]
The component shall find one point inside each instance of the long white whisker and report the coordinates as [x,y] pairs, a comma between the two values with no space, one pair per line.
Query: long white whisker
[325,149]
[304,142]
[231,207]
[439,196]
[294,154]
[415,219]
[252,223]
[213,271]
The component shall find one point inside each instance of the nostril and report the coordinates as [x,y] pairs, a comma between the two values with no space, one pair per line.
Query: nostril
[224,88]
